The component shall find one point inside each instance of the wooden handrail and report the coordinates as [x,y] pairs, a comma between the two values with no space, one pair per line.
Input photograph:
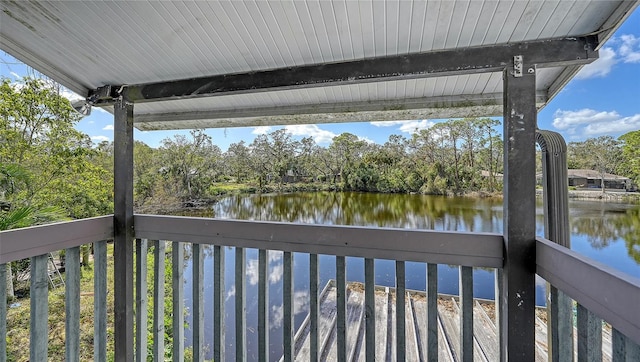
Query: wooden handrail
[610,294]
[38,240]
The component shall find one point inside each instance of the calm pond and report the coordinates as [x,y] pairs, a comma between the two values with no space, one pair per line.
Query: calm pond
[606,232]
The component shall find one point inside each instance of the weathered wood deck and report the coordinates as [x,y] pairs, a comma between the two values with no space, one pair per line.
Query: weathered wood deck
[486,347]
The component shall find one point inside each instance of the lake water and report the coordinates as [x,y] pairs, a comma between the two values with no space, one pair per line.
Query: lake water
[606,232]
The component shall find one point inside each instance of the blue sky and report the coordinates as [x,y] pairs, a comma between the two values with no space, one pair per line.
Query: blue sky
[604,99]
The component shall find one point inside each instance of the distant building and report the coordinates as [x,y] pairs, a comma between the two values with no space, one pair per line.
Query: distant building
[592,179]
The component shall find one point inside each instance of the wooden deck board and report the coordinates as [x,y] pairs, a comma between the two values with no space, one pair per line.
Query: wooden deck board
[478,354]
[355,320]
[607,343]
[391,340]
[447,316]
[484,330]
[326,323]
[486,345]
[541,340]
[420,310]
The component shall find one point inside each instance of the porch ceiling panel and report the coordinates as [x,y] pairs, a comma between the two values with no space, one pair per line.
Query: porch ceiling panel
[89,44]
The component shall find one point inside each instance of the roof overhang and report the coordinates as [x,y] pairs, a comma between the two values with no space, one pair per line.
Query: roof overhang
[227,64]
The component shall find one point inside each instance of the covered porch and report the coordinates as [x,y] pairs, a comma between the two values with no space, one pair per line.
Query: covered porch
[230,64]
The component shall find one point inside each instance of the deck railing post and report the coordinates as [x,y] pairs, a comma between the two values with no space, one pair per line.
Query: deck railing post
[466,313]
[197,299]
[432,312]
[3,312]
[241,304]
[556,229]
[218,303]
[141,300]
[263,305]
[39,326]
[287,304]
[517,308]
[177,284]
[123,232]
[370,309]
[158,300]
[341,306]
[623,349]
[100,301]
[72,305]
[400,311]
[589,335]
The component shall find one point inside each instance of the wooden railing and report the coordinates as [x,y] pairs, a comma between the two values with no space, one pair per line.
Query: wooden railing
[470,250]
[604,292]
[601,294]
[36,243]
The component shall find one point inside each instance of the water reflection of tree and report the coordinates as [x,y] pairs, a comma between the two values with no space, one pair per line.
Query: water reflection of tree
[599,231]
[600,223]
[383,210]
[630,227]
[604,226]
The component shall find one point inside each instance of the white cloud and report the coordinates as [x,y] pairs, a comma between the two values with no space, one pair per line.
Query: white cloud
[311,130]
[252,272]
[300,302]
[565,120]
[231,293]
[277,316]
[601,67]
[407,126]
[275,255]
[621,125]
[71,96]
[108,127]
[100,138]
[276,273]
[365,139]
[300,305]
[15,75]
[625,48]
[588,122]
[630,48]
[261,130]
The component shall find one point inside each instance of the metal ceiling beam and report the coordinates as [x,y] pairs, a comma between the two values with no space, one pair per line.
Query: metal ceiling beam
[347,117]
[432,107]
[485,105]
[482,59]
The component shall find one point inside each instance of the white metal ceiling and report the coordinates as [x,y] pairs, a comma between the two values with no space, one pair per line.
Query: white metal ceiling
[88,44]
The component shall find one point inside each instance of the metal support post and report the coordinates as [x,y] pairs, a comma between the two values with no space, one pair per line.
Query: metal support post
[517,307]
[123,232]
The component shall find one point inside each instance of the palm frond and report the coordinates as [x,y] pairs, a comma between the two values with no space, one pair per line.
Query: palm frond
[25,216]
[16,218]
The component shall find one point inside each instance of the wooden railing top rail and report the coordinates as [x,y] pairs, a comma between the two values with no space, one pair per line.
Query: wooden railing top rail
[469,249]
[37,240]
[610,294]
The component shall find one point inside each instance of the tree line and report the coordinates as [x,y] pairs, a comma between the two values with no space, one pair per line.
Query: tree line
[452,156]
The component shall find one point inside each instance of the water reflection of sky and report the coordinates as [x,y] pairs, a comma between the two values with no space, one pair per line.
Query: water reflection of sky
[597,231]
